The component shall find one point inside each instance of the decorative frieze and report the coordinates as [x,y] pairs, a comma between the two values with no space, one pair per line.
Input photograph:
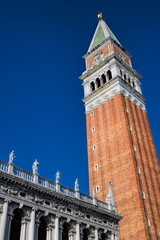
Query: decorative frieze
[108,92]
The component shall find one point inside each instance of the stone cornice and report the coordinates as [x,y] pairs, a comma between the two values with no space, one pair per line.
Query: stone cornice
[48,194]
[110,225]
[109,90]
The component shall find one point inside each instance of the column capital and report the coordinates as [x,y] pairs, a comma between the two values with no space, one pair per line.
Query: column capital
[50,226]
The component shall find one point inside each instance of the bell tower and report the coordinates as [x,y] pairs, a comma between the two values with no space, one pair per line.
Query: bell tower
[121,150]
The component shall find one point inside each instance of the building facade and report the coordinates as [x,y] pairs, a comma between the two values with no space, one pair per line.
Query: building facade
[120,144]
[34,208]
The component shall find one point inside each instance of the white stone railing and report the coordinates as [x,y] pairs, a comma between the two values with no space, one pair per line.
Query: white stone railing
[22,174]
[3,166]
[18,172]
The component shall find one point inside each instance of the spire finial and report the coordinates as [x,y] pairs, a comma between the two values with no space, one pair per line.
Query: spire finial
[100,16]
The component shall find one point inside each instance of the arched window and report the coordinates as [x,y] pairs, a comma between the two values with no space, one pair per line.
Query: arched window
[16,225]
[92,86]
[125,78]
[85,234]
[104,236]
[42,230]
[121,73]
[109,74]
[103,78]
[98,82]
[65,232]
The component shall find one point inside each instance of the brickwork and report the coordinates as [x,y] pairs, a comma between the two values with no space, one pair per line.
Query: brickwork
[119,52]
[105,50]
[123,144]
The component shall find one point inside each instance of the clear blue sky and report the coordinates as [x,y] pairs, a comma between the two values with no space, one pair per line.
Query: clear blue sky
[41,48]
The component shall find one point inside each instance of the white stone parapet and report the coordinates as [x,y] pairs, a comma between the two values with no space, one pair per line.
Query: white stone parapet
[40,181]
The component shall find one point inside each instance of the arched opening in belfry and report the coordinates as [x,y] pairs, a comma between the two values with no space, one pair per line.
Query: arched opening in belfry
[109,75]
[103,78]
[65,232]
[133,83]
[98,82]
[129,80]
[124,76]
[16,225]
[85,234]
[92,86]
[42,230]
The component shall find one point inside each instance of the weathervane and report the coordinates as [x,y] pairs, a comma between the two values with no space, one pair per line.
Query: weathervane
[99,15]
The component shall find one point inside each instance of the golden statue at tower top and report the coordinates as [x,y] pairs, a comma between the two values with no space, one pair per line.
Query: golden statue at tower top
[99,15]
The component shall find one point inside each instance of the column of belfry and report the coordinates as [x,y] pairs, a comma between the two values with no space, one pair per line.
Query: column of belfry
[120,144]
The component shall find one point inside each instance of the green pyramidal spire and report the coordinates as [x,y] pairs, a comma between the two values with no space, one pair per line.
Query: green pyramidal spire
[102,32]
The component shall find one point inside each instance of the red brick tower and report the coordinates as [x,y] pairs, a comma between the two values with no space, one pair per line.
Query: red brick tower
[120,143]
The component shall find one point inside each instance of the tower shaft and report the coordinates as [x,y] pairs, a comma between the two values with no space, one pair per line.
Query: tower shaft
[120,144]
[126,156]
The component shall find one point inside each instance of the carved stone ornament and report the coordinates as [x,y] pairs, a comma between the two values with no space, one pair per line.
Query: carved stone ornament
[9,190]
[98,57]
[31,197]
[61,222]
[4,188]
[38,199]
[38,215]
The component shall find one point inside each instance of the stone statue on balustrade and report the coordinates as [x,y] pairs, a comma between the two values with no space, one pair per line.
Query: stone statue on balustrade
[94,196]
[76,185]
[57,176]
[35,166]
[110,198]
[94,192]
[11,157]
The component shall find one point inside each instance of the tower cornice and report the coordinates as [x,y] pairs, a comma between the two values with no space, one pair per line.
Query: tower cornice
[109,90]
[105,41]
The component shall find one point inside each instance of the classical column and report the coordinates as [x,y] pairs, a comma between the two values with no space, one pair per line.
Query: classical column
[96,234]
[50,231]
[23,229]
[32,225]
[112,236]
[78,231]
[56,232]
[3,220]
[71,235]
